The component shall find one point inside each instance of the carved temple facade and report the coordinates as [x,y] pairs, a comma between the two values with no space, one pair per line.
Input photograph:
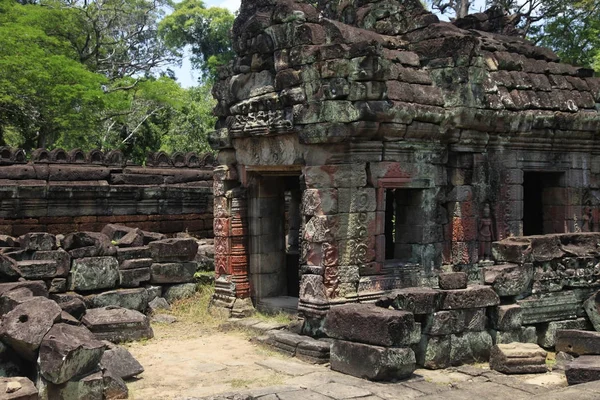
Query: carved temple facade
[365,145]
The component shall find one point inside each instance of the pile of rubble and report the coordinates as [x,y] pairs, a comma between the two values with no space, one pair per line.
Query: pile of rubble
[66,300]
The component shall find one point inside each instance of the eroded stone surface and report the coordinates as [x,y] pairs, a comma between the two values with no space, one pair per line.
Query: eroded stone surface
[117,324]
[518,358]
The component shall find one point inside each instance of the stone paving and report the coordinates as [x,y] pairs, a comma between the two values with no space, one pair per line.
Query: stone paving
[309,382]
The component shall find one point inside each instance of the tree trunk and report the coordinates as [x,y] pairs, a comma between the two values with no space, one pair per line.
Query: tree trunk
[462,8]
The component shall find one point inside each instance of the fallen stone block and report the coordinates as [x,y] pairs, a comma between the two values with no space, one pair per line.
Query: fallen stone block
[470,347]
[38,241]
[285,342]
[158,304]
[60,256]
[58,285]
[372,362]
[117,324]
[525,334]
[583,369]
[180,272]
[444,323]
[41,269]
[71,303]
[136,263]
[163,319]
[119,361]
[115,231]
[133,253]
[453,280]
[8,268]
[88,244]
[518,358]
[38,288]
[153,291]
[313,350]
[578,342]
[547,332]
[134,277]
[547,307]
[592,309]
[114,386]
[367,323]
[68,351]
[472,297]
[433,352]
[8,241]
[67,318]
[134,238]
[89,387]
[509,279]
[94,273]
[133,299]
[173,250]
[17,388]
[26,325]
[12,298]
[173,293]
[417,300]
[506,317]
[10,363]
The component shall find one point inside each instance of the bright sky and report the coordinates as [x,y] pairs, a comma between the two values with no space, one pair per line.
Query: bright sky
[187,77]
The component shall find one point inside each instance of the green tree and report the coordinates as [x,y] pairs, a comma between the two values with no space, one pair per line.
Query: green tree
[204,30]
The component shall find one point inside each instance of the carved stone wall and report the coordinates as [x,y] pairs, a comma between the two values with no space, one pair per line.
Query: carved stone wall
[58,191]
[369,100]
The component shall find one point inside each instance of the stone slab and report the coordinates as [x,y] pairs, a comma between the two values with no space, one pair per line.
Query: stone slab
[518,358]
[17,388]
[578,342]
[472,297]
[117,324]
[583,369]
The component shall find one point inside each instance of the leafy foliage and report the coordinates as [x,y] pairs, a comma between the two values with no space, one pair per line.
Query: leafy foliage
[205,30]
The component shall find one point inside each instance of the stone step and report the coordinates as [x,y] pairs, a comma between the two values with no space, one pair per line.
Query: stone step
[518,358]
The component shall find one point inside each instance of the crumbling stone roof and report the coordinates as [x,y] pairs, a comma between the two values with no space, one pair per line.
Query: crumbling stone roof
[356,70]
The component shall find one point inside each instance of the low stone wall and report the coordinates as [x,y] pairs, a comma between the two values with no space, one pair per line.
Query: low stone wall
[56,192]
[66,300]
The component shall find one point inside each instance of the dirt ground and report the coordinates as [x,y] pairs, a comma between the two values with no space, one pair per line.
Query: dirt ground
[188,360]
[185,360]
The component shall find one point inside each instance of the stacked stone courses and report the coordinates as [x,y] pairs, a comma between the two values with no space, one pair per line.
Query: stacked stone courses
[58,192]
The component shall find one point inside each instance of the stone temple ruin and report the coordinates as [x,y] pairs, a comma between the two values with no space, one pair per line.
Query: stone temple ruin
[370,153]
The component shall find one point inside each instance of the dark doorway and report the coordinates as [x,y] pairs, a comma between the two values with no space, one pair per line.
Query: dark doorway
[542,203]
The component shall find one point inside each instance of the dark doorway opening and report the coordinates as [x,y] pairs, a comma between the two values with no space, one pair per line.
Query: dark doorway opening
[543,205]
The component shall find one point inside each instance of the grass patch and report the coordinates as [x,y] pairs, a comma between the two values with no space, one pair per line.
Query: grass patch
[196,309]
[280,317]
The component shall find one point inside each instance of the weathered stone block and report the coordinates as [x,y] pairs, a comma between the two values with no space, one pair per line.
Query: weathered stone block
[470,347]
[547,332]
[114,386]
[372,362]
[134,277]
[88,244]
[547,307]
[94,273]
[18,388]
[433,352]
[352,200]
[583,369]
[336,176]
[179,272]
[578,342]
[38,241]
[60,256]
[506,317]
[173,293]
[68,351]
[417,300]
[592,309]
[133,299]
[444,323]
[90,387]
[71,303]
[518,358]
[509,279]
[133,253]
[472,297]
[319,202]
[452,280]
[173,250]
[26,325]
[119,361]
[136,263]
[370,324]
[41,269]
[117,324]
[525,334]
[8,268]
